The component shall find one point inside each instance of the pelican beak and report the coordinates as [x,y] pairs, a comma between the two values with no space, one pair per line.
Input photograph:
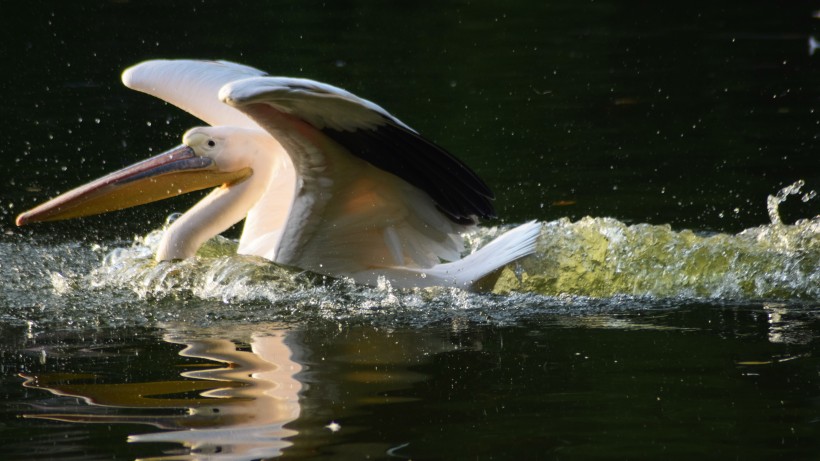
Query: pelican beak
[166,175]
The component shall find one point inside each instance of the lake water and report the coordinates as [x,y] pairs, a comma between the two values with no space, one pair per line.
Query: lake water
[671,311]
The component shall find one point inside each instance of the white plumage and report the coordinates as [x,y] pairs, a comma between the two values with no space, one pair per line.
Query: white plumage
[325,180]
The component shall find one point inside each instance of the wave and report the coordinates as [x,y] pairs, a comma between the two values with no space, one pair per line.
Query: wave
[589,266]
[591,257]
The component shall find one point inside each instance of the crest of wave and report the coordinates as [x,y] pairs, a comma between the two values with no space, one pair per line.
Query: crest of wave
[592,258]
[602,257]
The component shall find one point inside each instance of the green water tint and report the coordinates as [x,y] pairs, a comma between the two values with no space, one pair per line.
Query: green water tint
[603,257]
[591,257]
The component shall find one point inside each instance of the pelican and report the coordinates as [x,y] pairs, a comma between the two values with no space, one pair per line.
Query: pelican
[325,181]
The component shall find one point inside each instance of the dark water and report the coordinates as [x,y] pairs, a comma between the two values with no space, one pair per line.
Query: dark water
[734,382]
[670,311]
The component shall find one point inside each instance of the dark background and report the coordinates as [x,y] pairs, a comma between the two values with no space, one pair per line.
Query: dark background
[682,113]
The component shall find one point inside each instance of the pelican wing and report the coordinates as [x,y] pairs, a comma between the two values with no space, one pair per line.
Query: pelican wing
[371,192]
[193,86]
[369,132]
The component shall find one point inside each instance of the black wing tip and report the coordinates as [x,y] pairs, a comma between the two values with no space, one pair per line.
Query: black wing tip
[456,189]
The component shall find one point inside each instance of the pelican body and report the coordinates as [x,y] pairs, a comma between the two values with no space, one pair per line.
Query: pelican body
[325,181]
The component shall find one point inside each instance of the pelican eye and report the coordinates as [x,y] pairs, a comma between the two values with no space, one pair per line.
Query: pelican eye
[211,143]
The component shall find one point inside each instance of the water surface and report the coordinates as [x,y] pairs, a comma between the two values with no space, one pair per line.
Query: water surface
[671,310]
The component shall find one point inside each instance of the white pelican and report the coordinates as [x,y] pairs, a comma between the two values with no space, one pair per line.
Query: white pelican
[326,181]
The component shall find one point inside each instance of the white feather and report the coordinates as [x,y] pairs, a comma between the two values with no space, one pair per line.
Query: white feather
[324,209]
[321,105]
[193,86]
[463,273]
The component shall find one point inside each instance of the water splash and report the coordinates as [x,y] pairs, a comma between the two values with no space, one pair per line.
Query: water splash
[773,201]
[217,273]
[592,257]
[586,265]
[603,257]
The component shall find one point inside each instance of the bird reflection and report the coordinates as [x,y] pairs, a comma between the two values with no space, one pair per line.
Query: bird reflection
[237,411]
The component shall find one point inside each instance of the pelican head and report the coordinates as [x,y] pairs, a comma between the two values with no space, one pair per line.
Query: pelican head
[229,149]
[198,163]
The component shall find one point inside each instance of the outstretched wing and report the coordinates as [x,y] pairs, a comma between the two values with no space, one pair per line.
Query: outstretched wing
[193,86]
[369,132]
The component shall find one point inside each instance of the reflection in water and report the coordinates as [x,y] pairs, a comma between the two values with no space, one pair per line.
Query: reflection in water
[790,326]
[424,393]
[232,412]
